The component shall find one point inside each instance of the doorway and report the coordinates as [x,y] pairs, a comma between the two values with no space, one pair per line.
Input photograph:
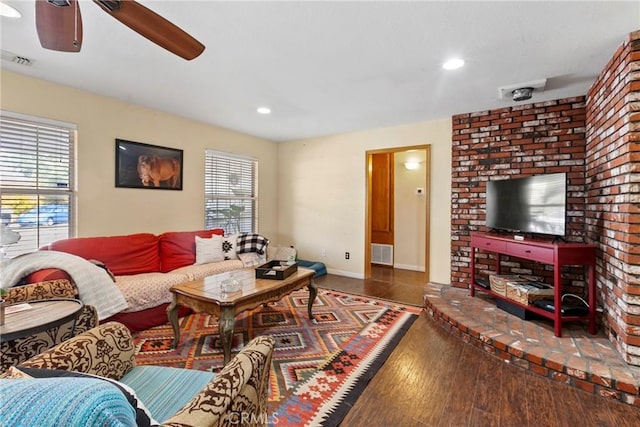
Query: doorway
[397,208]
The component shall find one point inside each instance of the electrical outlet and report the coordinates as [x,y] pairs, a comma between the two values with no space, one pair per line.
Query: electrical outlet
[324,252]
[347,255]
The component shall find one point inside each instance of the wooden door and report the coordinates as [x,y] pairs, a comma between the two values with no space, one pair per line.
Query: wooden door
[382,189]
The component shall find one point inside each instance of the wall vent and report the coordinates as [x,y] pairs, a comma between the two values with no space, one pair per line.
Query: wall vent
[381,254]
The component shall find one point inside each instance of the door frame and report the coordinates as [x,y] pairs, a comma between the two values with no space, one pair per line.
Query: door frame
[427,198]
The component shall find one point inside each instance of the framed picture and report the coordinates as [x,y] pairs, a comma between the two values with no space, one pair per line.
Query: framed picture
[148,166]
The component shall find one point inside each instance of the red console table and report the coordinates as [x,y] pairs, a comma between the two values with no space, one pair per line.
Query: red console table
[556,254]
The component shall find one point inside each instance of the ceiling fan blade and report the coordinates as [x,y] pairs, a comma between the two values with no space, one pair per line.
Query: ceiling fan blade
[59,25]
[153,26]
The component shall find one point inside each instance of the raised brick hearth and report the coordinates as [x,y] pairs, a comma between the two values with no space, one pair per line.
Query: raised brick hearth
[595,139]
[578,359]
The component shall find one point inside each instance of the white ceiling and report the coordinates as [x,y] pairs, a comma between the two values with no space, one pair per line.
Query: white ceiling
[332,67]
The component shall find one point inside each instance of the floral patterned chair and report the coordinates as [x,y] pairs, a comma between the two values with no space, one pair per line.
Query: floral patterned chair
[16,351]
[237,395]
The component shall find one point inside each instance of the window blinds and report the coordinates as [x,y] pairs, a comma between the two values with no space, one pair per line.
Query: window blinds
[231,192]
[36,181]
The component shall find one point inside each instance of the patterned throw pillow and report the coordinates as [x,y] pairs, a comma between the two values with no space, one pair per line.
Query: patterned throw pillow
[252,242]
[229,245]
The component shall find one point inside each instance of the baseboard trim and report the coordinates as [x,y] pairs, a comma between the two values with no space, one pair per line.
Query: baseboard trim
[346,273]
[409,267]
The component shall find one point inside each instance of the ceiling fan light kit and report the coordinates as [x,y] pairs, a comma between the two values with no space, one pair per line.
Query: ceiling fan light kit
[59,26]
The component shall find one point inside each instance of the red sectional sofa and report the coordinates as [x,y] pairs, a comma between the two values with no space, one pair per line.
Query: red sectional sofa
[145,266]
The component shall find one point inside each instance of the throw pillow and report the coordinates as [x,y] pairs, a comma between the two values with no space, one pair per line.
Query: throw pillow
[229,245]
[252,259]
[209,250]
[252,242]
[142,414]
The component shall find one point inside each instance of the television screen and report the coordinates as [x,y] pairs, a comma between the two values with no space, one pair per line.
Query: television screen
[535,204]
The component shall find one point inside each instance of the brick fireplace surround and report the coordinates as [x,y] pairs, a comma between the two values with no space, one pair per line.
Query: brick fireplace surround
[595,139]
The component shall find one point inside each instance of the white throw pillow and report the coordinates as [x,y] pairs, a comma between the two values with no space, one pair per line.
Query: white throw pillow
[209,250]
[229,246]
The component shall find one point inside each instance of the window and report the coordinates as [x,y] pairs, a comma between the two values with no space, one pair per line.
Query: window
[36,182]
[231,192]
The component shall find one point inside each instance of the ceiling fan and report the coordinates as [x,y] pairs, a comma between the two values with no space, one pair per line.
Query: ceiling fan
[59,26]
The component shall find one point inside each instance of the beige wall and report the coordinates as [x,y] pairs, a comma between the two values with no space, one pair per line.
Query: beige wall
[410,211]
[312,192]
[322,194]
[103,209]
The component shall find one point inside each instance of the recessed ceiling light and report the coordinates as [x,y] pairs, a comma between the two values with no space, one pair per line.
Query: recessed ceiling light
[264,110]
[453,64]
[9,11]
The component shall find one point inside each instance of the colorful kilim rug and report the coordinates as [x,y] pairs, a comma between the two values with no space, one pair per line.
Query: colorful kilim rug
[320,367]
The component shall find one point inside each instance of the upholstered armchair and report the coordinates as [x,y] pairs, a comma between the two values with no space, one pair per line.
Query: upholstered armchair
[237,395]
[18,350]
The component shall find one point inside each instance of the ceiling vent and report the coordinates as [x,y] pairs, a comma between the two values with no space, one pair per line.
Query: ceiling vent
[18,59]
[522,91]
[22,60]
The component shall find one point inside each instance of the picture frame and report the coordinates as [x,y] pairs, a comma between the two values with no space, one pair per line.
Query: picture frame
[147,166]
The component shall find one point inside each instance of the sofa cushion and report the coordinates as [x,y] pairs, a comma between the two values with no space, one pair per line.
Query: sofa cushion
[178,248]
[200,271]
[148,290]
[165,390]
[131,254]
[64,402]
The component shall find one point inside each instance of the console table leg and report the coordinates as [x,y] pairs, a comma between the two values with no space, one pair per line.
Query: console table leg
[313,292]
[557,302]
[172,315]
[591,286]
[226,324]
[472,285]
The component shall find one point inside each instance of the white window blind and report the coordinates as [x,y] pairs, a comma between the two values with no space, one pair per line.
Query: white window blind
[36,182]
[231,192]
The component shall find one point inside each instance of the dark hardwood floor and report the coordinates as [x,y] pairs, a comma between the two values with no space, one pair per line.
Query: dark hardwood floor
[434,379]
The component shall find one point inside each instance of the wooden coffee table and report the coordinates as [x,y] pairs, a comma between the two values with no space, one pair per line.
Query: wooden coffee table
[206,295]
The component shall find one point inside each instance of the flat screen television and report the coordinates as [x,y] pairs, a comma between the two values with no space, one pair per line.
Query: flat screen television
[535,204]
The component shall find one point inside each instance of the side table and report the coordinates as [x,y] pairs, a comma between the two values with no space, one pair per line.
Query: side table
[40,316]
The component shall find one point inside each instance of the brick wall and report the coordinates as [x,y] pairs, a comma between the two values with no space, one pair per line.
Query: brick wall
[613,196]
[523,140]
[596,140]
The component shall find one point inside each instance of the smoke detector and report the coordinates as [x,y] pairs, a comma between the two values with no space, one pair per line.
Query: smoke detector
[522,91]
[522,94]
